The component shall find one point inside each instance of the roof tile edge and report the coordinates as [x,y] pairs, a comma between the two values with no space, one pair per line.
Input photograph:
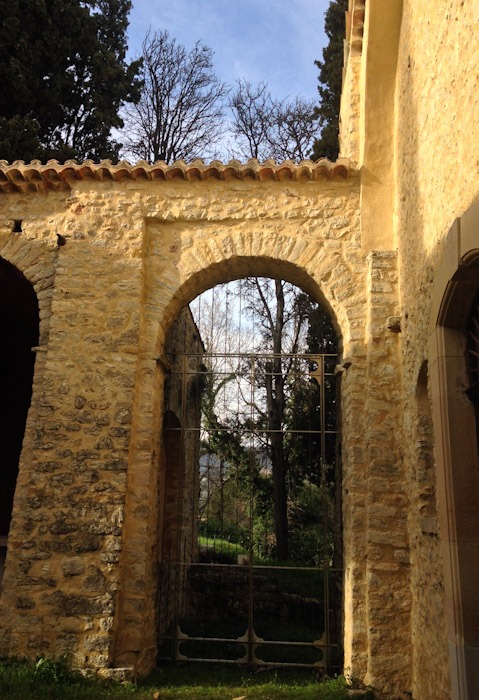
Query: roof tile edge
[35,176]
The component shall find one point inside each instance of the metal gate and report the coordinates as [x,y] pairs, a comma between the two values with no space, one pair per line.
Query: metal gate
[226,593]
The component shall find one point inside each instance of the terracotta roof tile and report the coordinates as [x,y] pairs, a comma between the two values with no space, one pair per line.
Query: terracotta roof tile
[36,177]
[355,25]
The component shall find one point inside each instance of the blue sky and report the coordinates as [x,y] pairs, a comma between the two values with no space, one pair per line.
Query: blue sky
[276,41]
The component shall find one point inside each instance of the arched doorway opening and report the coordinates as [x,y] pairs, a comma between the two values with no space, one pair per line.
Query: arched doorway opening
[19,323]
[251,371]
[453,365]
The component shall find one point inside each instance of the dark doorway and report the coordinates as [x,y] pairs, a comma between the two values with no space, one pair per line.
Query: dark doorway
[19,324]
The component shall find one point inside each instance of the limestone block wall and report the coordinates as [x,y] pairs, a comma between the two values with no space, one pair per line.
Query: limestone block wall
[349,127]
[389,601]
[436,181]
[140,242]
[179,465]
[179,491]
[418,133]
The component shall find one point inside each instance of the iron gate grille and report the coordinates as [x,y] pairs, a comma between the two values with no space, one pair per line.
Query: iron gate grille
[225,594]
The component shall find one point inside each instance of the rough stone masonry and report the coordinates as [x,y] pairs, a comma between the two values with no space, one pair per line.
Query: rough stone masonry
[386,238]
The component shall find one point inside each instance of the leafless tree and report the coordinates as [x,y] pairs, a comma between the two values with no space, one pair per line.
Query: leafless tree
[264,127]
[296,128]
[253,111]
[180,112]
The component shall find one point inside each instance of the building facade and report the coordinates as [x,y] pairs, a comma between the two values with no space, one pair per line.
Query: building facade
[387,239]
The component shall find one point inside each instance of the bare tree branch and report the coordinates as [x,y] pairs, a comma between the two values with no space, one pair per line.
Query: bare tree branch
[180,111]
[267,128]
[253,111]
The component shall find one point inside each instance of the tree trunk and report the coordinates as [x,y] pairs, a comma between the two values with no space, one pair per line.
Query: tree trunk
[280,497]
[274,382]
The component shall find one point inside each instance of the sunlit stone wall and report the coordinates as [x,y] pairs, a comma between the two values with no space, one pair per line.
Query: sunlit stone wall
[137,243]
[409,122]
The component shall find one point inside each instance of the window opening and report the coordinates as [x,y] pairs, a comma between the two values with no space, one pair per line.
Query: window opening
[257,573]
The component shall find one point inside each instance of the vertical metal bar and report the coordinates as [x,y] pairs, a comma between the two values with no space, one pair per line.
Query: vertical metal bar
[177,579]
[251,634]
[178,573]
[322,420]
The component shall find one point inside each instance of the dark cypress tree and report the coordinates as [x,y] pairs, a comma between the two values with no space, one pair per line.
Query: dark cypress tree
[64,77]
[330,81]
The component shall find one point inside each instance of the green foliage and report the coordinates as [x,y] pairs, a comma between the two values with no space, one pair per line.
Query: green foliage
[50,679]
[330,81]
[64,78]
[224,437]
[226,539]
[310,541]
[275,437]
[211,682]
[49,671]
[19,138]
[47,679]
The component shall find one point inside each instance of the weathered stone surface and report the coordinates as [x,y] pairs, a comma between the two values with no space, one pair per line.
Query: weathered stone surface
[82,565]
[73,566]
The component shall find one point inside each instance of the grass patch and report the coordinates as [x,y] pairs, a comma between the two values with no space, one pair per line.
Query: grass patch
[229,551]
[216,682]
[52,680]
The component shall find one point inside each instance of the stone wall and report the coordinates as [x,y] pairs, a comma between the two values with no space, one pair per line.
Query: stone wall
[179,490]
[417,133]
[140,242]
[179,465]
[436,139]
[371,242]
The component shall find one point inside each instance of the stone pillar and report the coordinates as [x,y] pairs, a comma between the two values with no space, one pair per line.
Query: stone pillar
[354,476]
[387,564]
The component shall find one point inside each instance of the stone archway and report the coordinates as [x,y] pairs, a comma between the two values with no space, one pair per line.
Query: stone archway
[19,323]
[322,273]
[26,278]
[457,450]
[141,241]
[181,259]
